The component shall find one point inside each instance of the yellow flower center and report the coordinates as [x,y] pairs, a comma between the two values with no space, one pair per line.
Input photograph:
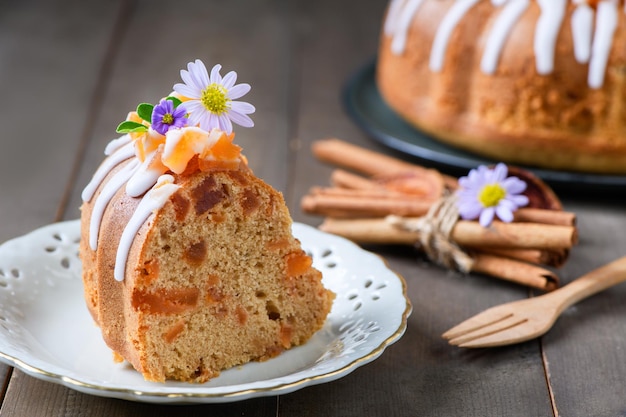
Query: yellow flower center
[214,98]
[491,194]
[168,119]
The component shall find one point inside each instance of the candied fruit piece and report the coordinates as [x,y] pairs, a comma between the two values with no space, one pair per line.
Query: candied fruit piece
[298,264]
[173,301]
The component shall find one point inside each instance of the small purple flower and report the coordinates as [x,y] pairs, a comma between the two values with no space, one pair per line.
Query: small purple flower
[165,116]
[486,193]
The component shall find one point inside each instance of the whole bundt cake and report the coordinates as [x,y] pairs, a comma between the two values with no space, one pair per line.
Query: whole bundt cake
[536,82]
[189,263]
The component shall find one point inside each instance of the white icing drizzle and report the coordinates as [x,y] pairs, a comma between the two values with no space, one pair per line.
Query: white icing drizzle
[402,21]
[116,144]
[500,32]
[152,201]
[582,32]
[107,193]
[589,46]
[546,33]
[121,153]
[447,25]
[144,177]
[395,9]
[606,23]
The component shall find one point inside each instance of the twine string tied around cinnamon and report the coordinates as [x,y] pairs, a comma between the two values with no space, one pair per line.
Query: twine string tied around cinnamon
[434,230]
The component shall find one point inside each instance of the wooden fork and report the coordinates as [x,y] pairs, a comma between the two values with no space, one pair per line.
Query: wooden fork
[526,319]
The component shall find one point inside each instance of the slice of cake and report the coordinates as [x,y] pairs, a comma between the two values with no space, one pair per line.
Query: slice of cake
[189,263]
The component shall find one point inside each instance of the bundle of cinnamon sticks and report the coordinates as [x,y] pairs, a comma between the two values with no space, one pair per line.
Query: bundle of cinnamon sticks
[372,187]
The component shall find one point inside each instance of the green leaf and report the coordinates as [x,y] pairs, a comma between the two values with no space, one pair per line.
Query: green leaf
[144,110]
[174,100]
[130,127]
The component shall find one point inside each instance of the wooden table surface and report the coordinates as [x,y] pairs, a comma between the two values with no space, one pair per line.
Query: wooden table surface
[69,72]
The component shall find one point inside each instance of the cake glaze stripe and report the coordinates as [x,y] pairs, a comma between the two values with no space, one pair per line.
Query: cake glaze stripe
[116,157]
[546,33]
[442,37]
[116,144]
[500,32]
[144,177]
[582,32]
[590,46]
[606,23]
[106,195]
[401,23]
[153,200]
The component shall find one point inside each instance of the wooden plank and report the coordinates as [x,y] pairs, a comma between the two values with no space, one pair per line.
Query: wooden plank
[39,398]
[162,37]
[585,349]
[420,374]
[50,55]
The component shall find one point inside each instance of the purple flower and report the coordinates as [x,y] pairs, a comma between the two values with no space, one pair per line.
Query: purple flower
[486,193]
[165,116]
[211,98]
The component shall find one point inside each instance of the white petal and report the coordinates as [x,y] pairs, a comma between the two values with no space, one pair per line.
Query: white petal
[242,107]
[500,172]
[238,91]
[212,121]
[194,118]
[508,204]
[206,121]
[186,77]
[187,91]
[470,211]
[229,80]
[193,107]
[514,185]
[519,200]
[241,119]
[486,217]
[225,124]
[504,214]
[198,71]
[464,182]
[190,80]
[215,74]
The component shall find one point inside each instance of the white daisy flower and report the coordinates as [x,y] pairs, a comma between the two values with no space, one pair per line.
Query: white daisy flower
[211,100]
[486,193]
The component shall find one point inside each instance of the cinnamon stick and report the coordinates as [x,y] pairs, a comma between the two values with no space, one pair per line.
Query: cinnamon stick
[337,152]
[377,231]
[345,179]
[465,233]
[514,235]
[340,153]
[374,193]
[360,207]
[555,258]
[515,271]
[538,215]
